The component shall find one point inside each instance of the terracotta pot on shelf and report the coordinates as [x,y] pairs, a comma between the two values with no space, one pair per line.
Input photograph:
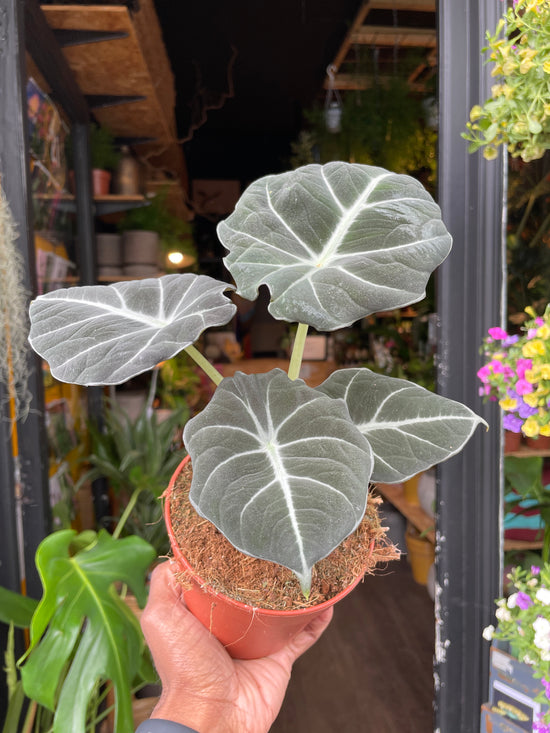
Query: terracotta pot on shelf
[540,443]
[101,181]
[512,441]
[247,632]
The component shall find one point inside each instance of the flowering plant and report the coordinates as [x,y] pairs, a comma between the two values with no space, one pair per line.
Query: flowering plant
[518,112]
[524,621]
[517,374]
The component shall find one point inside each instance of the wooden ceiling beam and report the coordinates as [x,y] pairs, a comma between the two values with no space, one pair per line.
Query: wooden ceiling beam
[374,35]
[411,6]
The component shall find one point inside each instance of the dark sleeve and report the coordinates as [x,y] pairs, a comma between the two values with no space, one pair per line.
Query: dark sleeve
[156,725]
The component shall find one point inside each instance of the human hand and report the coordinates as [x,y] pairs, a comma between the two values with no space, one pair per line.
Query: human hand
[202,686]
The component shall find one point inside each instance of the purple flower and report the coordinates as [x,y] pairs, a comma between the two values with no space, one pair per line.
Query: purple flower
[525,411]
[510,340]
[523,600]
[535,570]
[512,423]
[539,726]
[546,685]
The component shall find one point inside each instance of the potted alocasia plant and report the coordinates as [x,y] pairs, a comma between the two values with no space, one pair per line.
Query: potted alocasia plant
[282,469]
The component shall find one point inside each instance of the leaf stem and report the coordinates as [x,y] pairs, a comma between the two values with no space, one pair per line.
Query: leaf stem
[126,513]
[204,364]
[297,351]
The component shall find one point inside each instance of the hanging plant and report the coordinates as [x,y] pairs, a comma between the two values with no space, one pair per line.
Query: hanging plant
[517,114]
[382,126]
[13,316]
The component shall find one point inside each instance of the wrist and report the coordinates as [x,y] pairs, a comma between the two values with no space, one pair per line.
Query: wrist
[197,714]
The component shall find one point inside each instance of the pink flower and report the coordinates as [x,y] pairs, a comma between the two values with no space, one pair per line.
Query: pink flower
[522,366]
[523,386]
[497,333]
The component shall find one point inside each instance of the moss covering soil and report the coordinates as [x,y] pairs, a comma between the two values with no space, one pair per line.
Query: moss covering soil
[264,584]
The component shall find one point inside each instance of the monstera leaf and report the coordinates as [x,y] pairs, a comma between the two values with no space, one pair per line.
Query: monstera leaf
[334,243]
[82,632]
[107,334]
[279,468]
[408,427]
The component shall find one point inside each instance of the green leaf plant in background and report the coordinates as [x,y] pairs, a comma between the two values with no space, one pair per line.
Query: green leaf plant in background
[524,491]
[84,639]
[281,468]
[137,456]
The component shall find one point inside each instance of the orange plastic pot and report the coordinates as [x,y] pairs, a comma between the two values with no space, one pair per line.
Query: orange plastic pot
[245,631]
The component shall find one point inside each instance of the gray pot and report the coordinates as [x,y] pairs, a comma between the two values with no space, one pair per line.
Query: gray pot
[140,247]
[109,250]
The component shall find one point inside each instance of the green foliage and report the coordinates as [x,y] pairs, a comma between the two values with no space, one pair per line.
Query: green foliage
[179,384]
[82,634]
[174,233]
[103,151]
[137,457]
[523,477]
[517,114]
[381,126]
[528,238]
[16,609]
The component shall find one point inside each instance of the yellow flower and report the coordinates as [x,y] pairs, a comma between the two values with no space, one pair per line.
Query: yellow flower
[508,403]
[535,347]
[532,375]
[490,152]
[530,427]
[544,371]
[525,65]
[544,332]
[546,67]
[545,430]
[509,66]
[532,399]
[475,113]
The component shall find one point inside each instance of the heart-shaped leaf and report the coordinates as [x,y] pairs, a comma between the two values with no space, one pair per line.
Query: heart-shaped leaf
[279,468]
[102,334]
[408,427]
[334,243]
[82,632]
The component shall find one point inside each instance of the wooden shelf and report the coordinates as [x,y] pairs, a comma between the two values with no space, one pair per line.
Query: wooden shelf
[522,544]
[414,513]
[109,204]
[525,452]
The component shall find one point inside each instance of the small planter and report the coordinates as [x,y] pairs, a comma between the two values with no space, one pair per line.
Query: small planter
[140,247]
[410,490]
[109,250]
[247,632]
[540,443]
[421,554]
[512,441]
[101,181]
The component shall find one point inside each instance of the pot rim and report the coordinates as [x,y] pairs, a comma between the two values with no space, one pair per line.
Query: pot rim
[180,557]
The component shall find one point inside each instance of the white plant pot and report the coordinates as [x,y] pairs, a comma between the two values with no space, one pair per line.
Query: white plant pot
[140,248]
[109,250]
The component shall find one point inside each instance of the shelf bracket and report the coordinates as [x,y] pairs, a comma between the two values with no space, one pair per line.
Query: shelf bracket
[97,101]
[73,37]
